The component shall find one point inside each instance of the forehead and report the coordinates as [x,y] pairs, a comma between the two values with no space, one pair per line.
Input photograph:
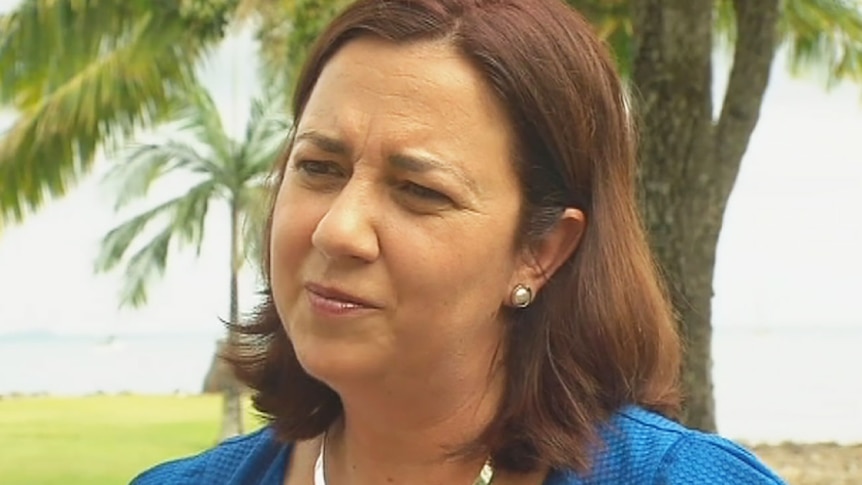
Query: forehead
[418,95]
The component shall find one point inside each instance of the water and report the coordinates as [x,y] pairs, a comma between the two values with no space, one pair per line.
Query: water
[771,385]
[80,365]
[789,384]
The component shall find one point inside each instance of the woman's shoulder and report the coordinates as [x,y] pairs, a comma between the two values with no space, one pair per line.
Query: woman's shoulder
[252,458]
[640,446]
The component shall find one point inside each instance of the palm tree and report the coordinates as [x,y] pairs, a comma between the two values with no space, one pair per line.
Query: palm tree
[82,75]
[225,170]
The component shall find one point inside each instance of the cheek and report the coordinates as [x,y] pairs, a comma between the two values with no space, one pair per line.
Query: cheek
[461,271]
[290,240]
[450,302]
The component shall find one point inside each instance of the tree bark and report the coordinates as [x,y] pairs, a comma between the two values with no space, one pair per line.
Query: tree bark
[232,424]
[689,162]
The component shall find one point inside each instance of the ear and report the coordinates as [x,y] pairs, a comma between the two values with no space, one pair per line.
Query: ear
[544,257]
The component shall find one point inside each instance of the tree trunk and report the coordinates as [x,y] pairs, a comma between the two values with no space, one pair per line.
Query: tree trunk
[689,162]
[232,424]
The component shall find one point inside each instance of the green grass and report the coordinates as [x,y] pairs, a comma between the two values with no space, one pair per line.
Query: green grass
[101,439]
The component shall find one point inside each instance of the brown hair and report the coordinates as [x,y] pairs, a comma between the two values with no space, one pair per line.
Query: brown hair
[600,334]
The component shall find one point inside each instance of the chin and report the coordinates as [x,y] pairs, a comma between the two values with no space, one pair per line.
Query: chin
[338,364]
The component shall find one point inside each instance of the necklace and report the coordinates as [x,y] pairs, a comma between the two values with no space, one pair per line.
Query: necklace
[486,474]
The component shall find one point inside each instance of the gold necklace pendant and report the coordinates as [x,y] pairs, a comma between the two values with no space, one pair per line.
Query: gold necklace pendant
[486,474]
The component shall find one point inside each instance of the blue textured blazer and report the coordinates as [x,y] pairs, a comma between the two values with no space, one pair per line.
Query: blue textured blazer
[642,448]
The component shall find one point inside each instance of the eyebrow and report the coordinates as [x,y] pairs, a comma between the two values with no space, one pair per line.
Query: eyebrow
[323,142]
[409,163]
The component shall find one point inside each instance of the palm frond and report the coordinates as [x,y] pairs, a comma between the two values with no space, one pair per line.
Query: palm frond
[287,30]
[143,268]
[824,37]
[146,163]
[201,118]
[612,21]
[266,115]
[85,74]
[43,42]
[254,202]
[265,135]
[182,219]
[725,24]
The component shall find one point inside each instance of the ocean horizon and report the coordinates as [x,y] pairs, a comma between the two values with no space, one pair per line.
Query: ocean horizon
[771,384]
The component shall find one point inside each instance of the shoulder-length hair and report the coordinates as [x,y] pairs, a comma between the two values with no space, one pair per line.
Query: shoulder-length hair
[600,335]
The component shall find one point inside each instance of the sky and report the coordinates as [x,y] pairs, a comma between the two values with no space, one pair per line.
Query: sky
[790,253]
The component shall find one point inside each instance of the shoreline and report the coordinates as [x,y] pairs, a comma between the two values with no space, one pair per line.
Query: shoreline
[766,447]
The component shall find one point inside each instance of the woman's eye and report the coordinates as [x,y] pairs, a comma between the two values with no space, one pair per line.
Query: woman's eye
[318,168]
[424,193]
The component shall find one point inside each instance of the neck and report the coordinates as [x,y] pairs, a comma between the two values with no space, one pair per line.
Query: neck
[409,433]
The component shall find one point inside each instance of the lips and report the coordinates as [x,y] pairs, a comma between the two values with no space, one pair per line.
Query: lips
[339,297]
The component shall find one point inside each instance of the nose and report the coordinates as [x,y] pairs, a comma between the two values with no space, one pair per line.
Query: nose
[347,229]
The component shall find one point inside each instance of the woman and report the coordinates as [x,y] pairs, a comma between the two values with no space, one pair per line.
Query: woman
[460,290]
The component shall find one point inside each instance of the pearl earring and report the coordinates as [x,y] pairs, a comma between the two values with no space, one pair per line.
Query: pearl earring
[521,296]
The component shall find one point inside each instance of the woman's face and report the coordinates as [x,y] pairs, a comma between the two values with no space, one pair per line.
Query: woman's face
[392,246]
